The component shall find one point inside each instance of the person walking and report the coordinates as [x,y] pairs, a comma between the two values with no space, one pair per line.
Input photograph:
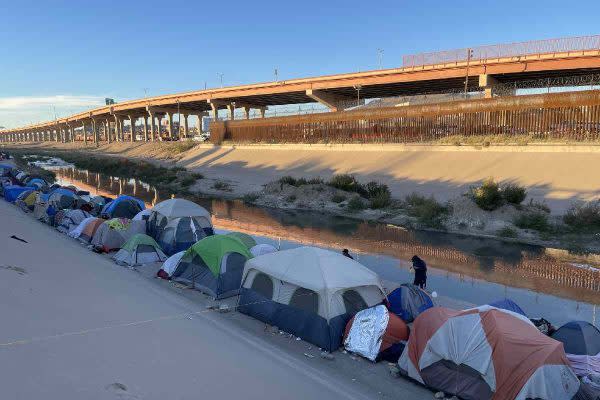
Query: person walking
[420,268]
[347,254]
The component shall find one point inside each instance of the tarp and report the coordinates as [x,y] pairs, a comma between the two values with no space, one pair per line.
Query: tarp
[366,332]
[508,304]
[13,191]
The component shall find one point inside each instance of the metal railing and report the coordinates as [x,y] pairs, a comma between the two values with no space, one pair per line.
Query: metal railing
[548,46]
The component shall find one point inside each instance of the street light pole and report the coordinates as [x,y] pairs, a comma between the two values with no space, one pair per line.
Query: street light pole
[380,58]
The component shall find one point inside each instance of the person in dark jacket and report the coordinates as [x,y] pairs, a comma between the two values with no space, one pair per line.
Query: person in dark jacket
[347,254]
[420,272]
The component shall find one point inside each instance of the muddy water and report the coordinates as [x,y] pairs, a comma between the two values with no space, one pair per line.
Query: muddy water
[544,282]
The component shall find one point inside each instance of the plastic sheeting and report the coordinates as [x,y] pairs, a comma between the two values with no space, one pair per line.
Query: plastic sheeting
[366,333]
[585,365]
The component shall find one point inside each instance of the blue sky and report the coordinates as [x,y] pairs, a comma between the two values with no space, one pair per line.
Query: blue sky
[71,54]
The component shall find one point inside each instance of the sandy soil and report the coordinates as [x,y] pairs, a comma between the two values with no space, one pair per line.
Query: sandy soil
[77,326]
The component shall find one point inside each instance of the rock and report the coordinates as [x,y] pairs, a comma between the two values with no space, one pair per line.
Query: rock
[224,308]
[327,356]
[394,371]
[439,395]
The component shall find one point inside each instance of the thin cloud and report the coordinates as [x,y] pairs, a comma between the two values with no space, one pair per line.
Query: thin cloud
[36,102]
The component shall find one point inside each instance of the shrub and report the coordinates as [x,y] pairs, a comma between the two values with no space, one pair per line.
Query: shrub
[220,185]
[316,181]
[197,175]
[301,182]
[380,200]
[541,206]
[288,180]
[514,194]
[375,189]
[338,198]
[356,204]
[346,183]
[291,198]
[250,197]
[487,196]
[584,216]
[507,232]
[426,210]
[536,221]
[187,181]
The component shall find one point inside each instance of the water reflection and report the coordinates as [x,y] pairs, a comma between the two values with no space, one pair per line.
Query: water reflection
[545,282]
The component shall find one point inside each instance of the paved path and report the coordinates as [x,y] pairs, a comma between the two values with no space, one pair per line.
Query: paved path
[73,325]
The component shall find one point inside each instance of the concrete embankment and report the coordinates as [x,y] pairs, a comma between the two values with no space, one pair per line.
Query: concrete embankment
[556,174]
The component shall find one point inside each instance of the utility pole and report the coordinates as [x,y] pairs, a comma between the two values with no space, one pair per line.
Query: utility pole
[276,75]
[380,58]
[469,55]
[357,88]
[220,75]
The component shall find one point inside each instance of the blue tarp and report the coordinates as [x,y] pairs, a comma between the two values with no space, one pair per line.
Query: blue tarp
[13,191]
[579,337]
[508,304]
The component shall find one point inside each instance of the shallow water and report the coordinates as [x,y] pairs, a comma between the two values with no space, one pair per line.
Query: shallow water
[545,282]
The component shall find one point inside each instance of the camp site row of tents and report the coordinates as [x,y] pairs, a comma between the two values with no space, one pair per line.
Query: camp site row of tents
[493,351]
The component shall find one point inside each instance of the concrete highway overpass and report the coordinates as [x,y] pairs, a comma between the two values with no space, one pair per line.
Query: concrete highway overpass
[481,68]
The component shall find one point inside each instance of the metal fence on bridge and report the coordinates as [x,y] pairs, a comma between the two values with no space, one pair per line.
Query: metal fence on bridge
[572,116]
[548,46]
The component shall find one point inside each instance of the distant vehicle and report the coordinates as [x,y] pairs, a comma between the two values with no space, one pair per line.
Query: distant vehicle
[203,137]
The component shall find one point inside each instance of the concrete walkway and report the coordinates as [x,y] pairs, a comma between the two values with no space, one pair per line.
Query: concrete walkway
[76,326]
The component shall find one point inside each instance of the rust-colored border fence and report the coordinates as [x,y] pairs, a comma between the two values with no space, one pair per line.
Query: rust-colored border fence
[572,116]
[548,46]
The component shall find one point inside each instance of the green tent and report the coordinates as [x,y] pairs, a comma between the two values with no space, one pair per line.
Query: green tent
[137,239]
[246,239]
[214,265]
[213,248]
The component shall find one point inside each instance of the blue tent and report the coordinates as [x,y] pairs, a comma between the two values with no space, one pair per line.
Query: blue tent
[36,180]
[13,191]
[408,301]
[123,207]
[508,304]
[579,337]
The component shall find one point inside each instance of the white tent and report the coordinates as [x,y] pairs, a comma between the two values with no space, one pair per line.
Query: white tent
[262,249]
[309,292]
[177,208]
[171,263]
[76,232]
[140,216]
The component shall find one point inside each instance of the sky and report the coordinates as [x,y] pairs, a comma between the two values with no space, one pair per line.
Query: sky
[64,57]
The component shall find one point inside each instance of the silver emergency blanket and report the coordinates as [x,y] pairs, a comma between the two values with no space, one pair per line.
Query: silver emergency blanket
[366,333]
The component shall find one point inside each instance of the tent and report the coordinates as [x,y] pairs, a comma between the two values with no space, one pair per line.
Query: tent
[408,301]
[170,264]
[508,304]
[486,353]
[248,240]
[89,229]
[75,233]
[123,207]
[581,341]
[40,208]
[71,220]
[139,249]
[114,233]
[376,334]
[11,192]
[26,200]
[5,169]
[144,213]
[309,292]
[176,224]
[62,198]
[214,265]
[262,249]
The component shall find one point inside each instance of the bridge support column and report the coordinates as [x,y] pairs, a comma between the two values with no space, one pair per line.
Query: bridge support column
[151,127]
[170,120]
[489,85]
[132,123]
[330,100]
[145,120]
[185,126]
[158,127]
[231,111]
[84,132]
